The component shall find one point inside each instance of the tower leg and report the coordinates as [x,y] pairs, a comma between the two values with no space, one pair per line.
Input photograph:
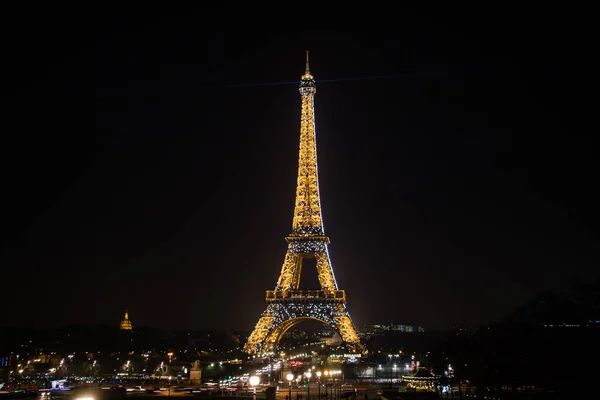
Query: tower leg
[289,277]
[259,334]
[326,278]
[347,330]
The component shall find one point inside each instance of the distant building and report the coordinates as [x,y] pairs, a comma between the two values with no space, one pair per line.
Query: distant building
[126,323]
[377,329]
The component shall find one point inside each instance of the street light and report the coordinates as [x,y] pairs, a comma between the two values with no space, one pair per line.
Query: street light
[319,383]
[290,378]
[308,375]
[254,380]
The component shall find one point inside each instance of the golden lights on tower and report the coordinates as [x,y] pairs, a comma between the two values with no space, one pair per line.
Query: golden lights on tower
[287,304]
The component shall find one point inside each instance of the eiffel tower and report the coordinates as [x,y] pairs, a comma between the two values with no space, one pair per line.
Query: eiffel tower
[287,304]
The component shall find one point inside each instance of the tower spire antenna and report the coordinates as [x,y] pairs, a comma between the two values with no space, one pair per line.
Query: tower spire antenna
[307,66]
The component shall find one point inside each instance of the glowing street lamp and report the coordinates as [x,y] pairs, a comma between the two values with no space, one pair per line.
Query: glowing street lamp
[308,375]
[254,380]
[290,378]
[319,382]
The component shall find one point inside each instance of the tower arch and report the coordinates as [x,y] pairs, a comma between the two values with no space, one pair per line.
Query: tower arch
[277,333]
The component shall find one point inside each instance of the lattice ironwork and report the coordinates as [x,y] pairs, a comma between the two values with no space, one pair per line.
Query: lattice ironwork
[287,305]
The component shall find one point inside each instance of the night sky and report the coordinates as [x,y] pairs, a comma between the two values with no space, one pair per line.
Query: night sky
[149,164]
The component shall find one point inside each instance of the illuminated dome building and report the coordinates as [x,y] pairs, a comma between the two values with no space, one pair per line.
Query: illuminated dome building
[126,323]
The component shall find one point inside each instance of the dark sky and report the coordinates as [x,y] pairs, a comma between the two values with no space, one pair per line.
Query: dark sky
[143,169]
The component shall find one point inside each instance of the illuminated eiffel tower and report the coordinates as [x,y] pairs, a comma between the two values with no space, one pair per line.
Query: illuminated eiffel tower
[287,304]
